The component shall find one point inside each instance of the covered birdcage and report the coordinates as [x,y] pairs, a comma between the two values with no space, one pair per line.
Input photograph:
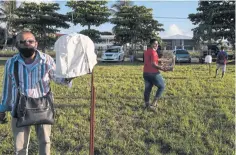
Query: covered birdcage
[75,55]
[168,60]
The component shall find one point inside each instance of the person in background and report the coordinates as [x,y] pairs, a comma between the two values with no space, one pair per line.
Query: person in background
[131,55]
[35,70]
[221,61]
[152,75]
[160,54]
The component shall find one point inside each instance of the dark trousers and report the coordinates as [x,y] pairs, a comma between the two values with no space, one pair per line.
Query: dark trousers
[151,79]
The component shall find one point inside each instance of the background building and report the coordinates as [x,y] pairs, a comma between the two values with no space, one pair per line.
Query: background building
[107,40]
[178,42]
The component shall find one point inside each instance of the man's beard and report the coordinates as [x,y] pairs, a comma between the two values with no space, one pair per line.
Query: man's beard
[27,52]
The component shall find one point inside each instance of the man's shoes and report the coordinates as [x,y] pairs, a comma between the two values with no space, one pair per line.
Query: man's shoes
[155,103]
[153,108]
[146,105]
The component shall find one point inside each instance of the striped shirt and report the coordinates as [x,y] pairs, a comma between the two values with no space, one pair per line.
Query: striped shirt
[34,81]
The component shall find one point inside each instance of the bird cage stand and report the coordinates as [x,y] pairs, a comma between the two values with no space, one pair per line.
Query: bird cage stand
[92,116]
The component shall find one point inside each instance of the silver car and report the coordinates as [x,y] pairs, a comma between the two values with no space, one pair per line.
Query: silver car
[114,53]
[182,55]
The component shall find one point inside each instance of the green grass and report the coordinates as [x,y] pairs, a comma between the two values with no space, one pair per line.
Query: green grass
[195,115]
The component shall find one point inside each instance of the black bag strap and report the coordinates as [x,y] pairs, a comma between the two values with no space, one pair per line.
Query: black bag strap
[16,73]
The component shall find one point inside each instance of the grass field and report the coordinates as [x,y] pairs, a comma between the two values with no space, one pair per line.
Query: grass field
[195,115]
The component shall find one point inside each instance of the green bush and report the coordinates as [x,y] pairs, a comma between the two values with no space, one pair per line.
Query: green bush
[10,53]
[7,53]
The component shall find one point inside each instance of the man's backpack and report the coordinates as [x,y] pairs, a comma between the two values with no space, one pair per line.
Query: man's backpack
[221,58]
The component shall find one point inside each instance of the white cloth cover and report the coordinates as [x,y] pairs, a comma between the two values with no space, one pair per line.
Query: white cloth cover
[208,59]
[75,55]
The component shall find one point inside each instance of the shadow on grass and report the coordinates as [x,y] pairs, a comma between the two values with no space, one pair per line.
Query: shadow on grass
[165,147]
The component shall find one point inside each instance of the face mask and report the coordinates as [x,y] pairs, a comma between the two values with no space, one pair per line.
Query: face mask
[27,52]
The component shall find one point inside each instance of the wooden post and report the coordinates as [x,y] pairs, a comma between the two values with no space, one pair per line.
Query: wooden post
[92,118]
[209,68]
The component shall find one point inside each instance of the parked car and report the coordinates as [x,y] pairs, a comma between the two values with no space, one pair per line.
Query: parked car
[182,55]
[114,53]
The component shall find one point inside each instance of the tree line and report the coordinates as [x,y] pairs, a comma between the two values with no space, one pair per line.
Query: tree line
[215,20]
[132,24]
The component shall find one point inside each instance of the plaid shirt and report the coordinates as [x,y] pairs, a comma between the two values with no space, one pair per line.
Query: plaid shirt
[34,81]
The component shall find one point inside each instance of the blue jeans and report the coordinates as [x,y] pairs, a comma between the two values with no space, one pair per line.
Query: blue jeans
[151,79]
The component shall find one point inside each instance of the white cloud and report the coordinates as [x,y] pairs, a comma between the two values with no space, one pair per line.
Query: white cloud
[174,30]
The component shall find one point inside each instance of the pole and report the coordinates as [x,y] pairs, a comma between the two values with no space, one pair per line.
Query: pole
[209,62]
[92,119]
[209,68]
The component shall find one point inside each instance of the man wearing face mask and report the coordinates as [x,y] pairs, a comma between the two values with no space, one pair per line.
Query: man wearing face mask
[35,70]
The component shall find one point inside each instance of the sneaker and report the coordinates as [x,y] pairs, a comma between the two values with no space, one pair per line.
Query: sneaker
[146,105]
[153,108]
[155,103]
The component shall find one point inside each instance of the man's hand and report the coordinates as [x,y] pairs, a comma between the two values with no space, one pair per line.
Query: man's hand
[164,69]
[167,68]
[3,118]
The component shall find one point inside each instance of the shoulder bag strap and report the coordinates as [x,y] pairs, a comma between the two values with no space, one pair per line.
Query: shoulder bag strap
[15,109]
[16,73]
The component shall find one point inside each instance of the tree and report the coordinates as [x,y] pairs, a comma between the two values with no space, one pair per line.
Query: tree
[215,20]
[7,10]
[88,13]
[134,24]
[42,19]
[93,35]
[119,4]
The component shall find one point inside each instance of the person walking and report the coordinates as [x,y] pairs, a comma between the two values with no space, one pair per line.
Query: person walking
[131,55]
[152,75]
[221,61]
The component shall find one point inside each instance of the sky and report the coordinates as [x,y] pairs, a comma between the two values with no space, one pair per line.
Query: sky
[161,9]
